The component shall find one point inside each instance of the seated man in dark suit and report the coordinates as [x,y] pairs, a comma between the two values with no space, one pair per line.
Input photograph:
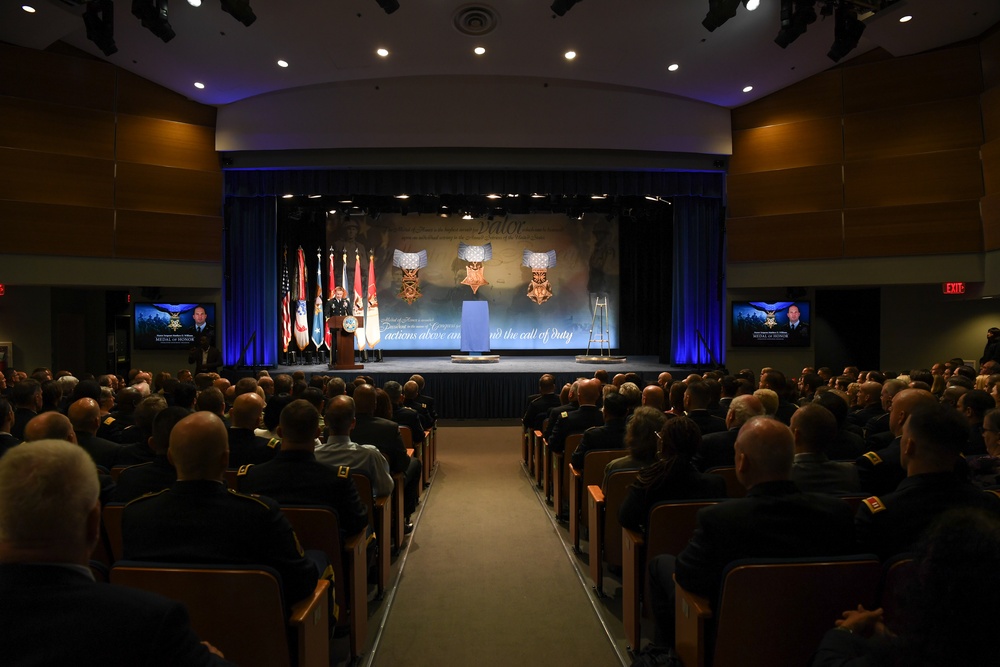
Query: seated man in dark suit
[609,436]
[145,414]
[26,396]
[157,474]
[85,414]
[411,399]
[775,519]
[538,409]
[6,422]
[295,477]
[402,415]
[579,420]
[424,398]
[697,396]
[53,612]
[197,520]
[716,449]
[813,427]
[206,357]
[245,446]
[56,426]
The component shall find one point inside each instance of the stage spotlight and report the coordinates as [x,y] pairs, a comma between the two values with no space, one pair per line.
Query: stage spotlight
[719,11]
[847,30]
[99,17]
[388,6]
[240,10]
[560,7]
[153,14]
[796,15]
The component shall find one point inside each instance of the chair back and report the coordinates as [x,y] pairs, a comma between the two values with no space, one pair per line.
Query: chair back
[318,528]
[232,478]
[364,484]
[614,495]
[776,611]
[407,435]
[593,473]
[111,521]
[734,489]
[237,609]
[116,472]
[670,526]
[897,574]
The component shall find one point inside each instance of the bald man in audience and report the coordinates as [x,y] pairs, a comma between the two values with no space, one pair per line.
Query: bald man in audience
[653,397]
[572,402]
[85,415]
[869,404]
[198,520]
[53,612]
[774,520]
[412,400]
[57,426]
[716,449]
[245,447]
[814,429]
[546,400]
[340,450]
[579,420]
[424,398]
[881,471]
[157,474]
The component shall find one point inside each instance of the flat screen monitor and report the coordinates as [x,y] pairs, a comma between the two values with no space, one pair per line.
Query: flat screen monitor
[770,324]
[172,326]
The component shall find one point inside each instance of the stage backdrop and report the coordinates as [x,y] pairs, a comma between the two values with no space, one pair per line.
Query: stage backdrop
[579,258]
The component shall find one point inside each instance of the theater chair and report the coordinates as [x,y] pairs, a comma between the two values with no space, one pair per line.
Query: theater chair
[605,531]
[734,489]
[772,611]
[897,573]
[669,528]
[561,474]
[592,475]
[318,527]
[538,447]
[239,610]
[111,527]
[379,520]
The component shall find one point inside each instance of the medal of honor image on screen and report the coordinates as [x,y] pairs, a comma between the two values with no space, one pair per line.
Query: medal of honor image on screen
[770,324]
[173,326]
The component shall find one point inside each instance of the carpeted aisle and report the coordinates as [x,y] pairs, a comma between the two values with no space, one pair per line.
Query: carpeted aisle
[487,581]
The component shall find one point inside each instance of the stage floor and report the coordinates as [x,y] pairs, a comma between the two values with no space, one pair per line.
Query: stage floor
[481,391]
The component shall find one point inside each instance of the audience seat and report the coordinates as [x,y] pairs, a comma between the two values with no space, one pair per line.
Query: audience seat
[561,474]
[669,528]
[111,523]
[379,521]
[772,611]
[897,573]
[318,527]
[239,610]
[605,531]
[116,472]
[592,475]
[734,489]
[538,447]
[232,478]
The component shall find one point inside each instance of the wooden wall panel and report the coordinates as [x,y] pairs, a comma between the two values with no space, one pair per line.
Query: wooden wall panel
[990,208]
[932,229]
[916,179]
[50,128]
[990,104]
[927,77]
[786,146]
[57,79]
[785,237]
[47,229]
[991,167]
[56,179]
[807,189]
[922,128]
[167,190]
[139,97]
[818,96]
[166,143]
[144,235]
[989,51]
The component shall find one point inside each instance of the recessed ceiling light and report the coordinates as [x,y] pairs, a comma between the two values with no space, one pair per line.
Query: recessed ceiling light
[382,52]
[282,63]
[570,55]
[673,67]
[199,85]
[287,196]
[598,196]
[402,196]
[905,19]
[28,8]
[194,3]
[493,196]
[747,89]
[752,5]
[479,50]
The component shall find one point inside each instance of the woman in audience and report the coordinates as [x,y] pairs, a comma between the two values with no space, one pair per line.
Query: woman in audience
[383,404]
[947,613]
[641,441]
[672,477]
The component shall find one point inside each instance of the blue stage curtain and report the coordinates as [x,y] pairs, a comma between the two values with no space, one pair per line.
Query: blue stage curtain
[699,281]
[250,291]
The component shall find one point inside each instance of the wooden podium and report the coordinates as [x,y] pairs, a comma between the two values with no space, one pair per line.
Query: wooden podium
[344,343]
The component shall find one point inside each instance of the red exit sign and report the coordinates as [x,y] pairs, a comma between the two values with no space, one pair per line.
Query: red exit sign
[3,289]
[953,288]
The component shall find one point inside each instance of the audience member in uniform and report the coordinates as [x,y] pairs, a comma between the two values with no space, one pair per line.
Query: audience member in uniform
[931,445]
[814,428]
[53,612]
[295,477]
[881,471]
[412,400]
[716,449]
[245,447]
[672,477]
[85,415]
[402,415]
[609,436]
[159,473]
[697,396]
[869,404]
[775,519]
[198,520]
[340,450]
[145,414]
[846,445]
[579,420]
[539,408]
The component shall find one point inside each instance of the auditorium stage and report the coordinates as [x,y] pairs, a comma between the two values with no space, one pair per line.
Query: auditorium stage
[480,390]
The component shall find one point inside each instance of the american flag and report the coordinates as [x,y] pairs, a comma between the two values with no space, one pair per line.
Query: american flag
[286,315]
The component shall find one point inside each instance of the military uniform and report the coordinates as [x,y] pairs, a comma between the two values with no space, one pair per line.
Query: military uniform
[200,521]
[706,421]
[409,418]
[422,410]
[609,436]
[144,478]
[881,472]
[577,421]
[383,434]
[245,447]
[104,452]
[113,429]
[538,409]
[893,523]
[556,413]
[296,478]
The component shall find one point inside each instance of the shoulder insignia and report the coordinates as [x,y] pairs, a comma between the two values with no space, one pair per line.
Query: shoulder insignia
[146,495]
[343,472]
[563,414]
[423,405]
[253,497]
[995,492]
[874,504]
[109,421]
[244,469]
[873,457]
[273,442]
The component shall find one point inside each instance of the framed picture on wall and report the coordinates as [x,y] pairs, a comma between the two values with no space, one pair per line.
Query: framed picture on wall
[6,355]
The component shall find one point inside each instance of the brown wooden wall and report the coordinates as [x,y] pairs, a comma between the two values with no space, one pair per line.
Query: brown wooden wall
[883,157]
[97,162]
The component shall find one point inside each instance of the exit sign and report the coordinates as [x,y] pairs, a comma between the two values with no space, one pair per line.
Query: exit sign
[3,289]
[953,288]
